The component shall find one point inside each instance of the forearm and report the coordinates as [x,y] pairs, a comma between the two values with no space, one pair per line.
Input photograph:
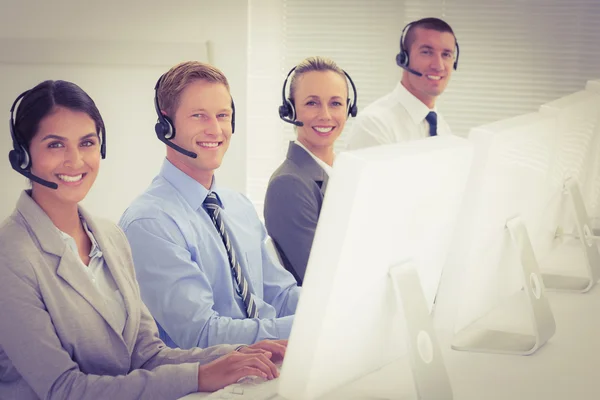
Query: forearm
[168,356]
[287,301]
[245,331]
[165,382]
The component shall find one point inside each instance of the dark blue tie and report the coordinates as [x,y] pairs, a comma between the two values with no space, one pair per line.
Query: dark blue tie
[431,118]
[214,210]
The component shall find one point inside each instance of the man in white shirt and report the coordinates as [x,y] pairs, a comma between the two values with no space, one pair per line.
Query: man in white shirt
[428,55]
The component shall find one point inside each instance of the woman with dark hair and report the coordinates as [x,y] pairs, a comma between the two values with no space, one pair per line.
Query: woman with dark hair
[72,324]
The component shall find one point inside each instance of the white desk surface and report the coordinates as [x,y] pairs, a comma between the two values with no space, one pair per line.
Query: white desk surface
[566,368]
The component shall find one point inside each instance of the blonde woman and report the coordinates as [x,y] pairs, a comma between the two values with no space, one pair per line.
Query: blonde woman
[318,105]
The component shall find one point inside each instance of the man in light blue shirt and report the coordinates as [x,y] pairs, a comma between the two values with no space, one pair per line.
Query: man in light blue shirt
[194,292]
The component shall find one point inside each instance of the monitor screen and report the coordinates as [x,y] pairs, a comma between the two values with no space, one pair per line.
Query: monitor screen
[509,178]
[577,156]
[384,205]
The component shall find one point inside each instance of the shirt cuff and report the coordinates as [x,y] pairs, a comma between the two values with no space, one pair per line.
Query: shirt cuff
[189,378]
[284,326]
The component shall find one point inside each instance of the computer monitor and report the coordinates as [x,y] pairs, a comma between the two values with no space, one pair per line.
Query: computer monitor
[573,262]
[386,208]
[593,84]
[578,117]
[492,256]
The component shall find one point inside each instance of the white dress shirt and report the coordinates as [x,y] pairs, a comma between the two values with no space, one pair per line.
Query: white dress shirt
[326,167]
[100,276]
[396,117]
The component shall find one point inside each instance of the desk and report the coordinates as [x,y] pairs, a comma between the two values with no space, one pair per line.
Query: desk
[566,368]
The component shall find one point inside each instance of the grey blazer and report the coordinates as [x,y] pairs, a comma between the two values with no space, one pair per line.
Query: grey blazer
[292,207]
[57,339]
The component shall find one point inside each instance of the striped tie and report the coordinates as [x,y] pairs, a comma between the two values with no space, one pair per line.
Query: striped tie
[212,207]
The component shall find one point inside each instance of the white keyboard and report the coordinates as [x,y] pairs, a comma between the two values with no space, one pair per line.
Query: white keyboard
[256,389]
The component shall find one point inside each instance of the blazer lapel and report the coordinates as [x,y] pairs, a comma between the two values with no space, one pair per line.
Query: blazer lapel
[69,268]
[74,275]
[302,159]
[324,183]
[116,265]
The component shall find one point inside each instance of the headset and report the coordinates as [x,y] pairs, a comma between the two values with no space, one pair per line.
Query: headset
[165,129]
[287,111]
[402,57]
[19,157]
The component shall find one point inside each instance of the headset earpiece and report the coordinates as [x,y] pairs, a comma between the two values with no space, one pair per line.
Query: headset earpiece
[402,59]
[103,143]
[232,116]
[457,54]
[352,107]
[402,56]
[18,156]
[164,127]
[287,109]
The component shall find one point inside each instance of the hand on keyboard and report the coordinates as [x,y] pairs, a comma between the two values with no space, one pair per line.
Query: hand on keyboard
[251,380]
[230,368]
[248,388]
[275,347]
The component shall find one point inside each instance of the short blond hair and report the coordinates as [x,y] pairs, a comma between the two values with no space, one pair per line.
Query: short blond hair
[316,63]
[175,80]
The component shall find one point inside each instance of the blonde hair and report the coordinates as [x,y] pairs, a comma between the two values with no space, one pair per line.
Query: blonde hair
[178,77]
[315,63]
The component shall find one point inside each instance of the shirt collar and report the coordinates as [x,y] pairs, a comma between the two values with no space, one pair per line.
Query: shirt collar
[94,251]
[190,189]
[326,167]
[415,107]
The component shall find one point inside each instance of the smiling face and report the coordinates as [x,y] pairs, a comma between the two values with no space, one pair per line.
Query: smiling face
[320,100]
[65,150]
[432,54]
[203,125]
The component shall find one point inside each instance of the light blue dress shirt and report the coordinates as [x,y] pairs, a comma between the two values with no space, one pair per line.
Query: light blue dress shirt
[184,273]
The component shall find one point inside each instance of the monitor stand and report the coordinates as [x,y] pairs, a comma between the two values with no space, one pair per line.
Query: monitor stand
[588,245]
[431,380]
[475,338]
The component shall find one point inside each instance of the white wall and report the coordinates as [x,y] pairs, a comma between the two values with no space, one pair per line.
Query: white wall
[124,94]
[267,144]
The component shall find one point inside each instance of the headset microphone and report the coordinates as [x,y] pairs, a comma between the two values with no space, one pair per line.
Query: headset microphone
[14,162]
[13,157]
[172,145]
[412,71]
[291,121]
[41,181]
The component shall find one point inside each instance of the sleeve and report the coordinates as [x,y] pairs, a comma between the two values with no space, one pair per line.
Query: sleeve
[291,216]
[368,131]
[179,294]
[280,289]
[28,338]
[149,350]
